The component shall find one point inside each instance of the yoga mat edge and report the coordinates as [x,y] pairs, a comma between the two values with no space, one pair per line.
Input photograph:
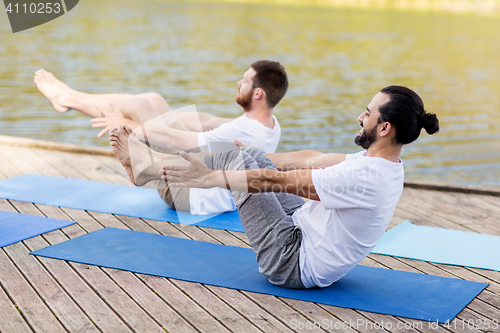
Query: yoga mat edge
[16,227]
[442,246]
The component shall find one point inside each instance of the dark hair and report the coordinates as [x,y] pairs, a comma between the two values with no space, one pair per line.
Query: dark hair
[272,78]
[405,111]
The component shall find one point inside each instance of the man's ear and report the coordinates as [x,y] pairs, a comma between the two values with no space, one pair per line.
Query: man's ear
[259,93]
[386,129]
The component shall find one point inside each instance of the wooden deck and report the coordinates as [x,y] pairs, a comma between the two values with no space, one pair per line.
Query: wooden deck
[46,295]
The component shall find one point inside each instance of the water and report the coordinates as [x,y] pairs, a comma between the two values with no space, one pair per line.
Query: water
[337,59]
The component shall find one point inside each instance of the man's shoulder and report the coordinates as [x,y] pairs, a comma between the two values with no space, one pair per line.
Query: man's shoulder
[356,156]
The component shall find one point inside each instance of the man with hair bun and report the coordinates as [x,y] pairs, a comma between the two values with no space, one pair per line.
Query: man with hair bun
[352,197]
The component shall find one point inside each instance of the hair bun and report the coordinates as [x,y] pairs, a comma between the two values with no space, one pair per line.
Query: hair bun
[430,122]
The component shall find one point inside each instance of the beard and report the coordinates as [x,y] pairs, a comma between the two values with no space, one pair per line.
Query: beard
[366,139]
[245,101]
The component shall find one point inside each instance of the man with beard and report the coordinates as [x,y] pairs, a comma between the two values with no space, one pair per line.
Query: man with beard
[352,196]
[260,90]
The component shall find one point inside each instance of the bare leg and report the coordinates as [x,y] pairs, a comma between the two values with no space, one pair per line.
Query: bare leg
[139,108]
[141,162]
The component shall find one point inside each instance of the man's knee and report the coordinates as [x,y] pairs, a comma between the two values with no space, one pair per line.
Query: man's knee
[231,160]
[260,157]
[156,100]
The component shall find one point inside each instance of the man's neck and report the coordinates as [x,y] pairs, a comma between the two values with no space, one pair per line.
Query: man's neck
[263,115]
[389,152]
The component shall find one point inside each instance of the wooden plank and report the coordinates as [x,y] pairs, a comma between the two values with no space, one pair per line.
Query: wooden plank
[470,320]
[95,165]
[148,300]
[183,304]
[10,318]
[392,263]
[29,303]
[67,276]
[495,201]
[57,161]
[225,237]
[132,223]
[220,310]
[49,145]
[88,171]
[85,220]
[122,304]
[484,308]
[6,167]
[438,219]
[112,165]
[317,317]
[241,236]
[196,233]
[108,220]
[460,211]
[38,163]
[353,319]
[9,169]
[481,202]
[246,307]
[449,213]
[165,228]
[16,156]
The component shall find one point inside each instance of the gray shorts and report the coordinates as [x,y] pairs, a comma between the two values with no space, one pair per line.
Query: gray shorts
[266,218]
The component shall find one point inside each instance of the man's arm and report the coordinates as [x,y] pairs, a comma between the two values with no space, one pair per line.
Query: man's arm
[196,174]
[192,120]
[167,137]
[298,182]
[163,136]
[305,159]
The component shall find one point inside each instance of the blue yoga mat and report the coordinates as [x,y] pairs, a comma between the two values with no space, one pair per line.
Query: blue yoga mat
[444,246]
[15,227]
[107,198]
[398,293]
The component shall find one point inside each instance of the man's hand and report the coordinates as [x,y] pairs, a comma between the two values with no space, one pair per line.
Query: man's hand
[193,175]
[111,120]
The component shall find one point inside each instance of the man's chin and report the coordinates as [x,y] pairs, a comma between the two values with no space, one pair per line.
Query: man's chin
[357,140]
[360,141]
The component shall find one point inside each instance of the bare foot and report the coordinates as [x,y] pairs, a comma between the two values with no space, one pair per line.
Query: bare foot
[52,88]
[118,139]
[141,162]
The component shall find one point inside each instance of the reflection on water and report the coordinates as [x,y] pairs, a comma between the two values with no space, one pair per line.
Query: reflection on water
[337,59]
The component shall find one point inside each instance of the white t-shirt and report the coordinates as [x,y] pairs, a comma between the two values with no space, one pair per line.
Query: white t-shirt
[246,130]
[358,197]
